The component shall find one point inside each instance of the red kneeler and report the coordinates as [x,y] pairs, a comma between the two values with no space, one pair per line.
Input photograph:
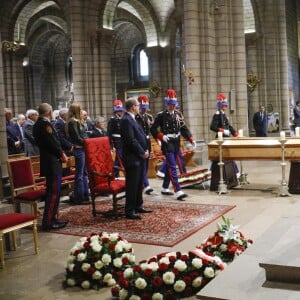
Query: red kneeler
[13,221]
[101,172]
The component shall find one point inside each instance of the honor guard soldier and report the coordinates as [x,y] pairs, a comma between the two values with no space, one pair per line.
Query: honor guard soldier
[168,126]
[114,132]
[146,121]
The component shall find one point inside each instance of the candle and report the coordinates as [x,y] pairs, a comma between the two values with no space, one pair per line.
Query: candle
[241,133]
[297,131]
[220,136]
[282,135]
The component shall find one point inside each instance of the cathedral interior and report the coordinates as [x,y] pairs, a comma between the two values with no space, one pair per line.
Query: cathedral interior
[96,51]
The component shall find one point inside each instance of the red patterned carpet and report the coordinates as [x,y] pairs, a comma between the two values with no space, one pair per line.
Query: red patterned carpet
[167,225]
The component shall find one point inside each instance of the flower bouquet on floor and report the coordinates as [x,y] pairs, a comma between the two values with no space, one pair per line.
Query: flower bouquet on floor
[94,259]
[171,275]
[226,243]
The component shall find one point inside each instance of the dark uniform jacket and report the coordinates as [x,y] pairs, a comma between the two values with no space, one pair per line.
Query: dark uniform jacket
[145,121]
[220,120]
[173,126]
[50,147]
[60,126]
[114,131]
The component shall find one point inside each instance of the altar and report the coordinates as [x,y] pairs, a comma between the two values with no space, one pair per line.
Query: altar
[265,148]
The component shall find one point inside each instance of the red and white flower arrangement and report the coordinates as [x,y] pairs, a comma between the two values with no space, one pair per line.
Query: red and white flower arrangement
[94,259]
[171,275]
[226,243]
[103,259]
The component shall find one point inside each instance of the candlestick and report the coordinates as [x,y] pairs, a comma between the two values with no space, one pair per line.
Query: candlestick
[282,135]
[297,131]
[220,136]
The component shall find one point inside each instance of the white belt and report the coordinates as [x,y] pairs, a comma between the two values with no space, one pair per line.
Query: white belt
[116,135]
[173,135]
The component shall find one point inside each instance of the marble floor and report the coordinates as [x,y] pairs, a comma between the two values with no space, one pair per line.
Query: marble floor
[258,208]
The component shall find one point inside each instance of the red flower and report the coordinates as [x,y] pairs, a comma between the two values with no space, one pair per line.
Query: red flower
[136,268]
[157,281]
[214,241]
[184,257]
[163,267]
[146,296]
[112,246]
[188,280]
[148,272]
[233,247]
[125,261]
[105,239]
[115,291]
[86,245]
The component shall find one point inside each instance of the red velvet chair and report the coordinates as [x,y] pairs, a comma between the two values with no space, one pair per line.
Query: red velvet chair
[22,184]
[10,222]
[101,172]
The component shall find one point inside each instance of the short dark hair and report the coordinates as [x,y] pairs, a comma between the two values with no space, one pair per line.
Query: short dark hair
[130,102]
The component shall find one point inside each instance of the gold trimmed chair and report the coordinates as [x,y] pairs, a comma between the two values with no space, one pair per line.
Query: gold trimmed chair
[10,222]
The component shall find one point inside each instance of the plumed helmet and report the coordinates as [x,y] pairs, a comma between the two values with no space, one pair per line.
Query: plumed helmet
[144,101]
[221,100]
[118,105]
[171,97]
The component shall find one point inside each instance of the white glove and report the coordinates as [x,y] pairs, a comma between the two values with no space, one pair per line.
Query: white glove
[226,132]
[165,138]
[194,144]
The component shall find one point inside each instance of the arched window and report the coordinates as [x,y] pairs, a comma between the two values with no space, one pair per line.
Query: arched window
[140,64]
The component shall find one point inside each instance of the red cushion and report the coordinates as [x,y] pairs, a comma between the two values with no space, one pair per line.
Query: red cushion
[69,177]
[31,195]
[11,219]
[116,187]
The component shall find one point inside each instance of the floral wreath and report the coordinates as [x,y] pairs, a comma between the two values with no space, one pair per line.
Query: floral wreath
[107,260]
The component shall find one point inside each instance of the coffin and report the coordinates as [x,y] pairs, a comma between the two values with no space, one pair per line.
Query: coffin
[255,149]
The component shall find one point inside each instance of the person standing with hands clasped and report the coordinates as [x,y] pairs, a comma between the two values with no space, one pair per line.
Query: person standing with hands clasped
[220,123]
[260,122]
[51,158]
[135,151]
[167,128]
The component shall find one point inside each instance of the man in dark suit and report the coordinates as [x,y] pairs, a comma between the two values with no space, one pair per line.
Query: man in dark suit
[99,129]
[134,144]
[51,158]
[260,122]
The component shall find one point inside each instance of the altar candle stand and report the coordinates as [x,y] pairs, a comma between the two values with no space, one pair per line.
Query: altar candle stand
[222,187]
[283,189]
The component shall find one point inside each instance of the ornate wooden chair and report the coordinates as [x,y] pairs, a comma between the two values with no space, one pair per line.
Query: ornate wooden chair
[10,222]
[22,184]
[100,172]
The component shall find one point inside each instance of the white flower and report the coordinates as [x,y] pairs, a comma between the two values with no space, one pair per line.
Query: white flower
[140,283]
[170,254]
[169,277]
[157,296]
[83,240]
[197,263]
[229,234]
[111,282]
[132,258]
[71,267]
[128,273]
[117,262]
[180,265]
[81,256]
[154,266]
[107,277]
[106,259]
[114,236]
[123,294]
[94,238]
[127,246]
[71,282]
[104,235]
[96,247]
[85,267]
[99,264]
[223,248]
[135,297]
[197,282]
[118,248]
[209,272]
[85,284]
[70,259]
[164,260]
[97,275]
[179,286]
